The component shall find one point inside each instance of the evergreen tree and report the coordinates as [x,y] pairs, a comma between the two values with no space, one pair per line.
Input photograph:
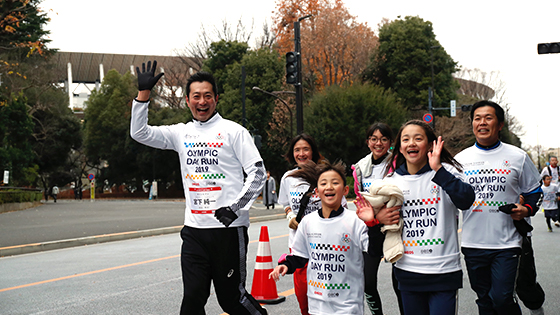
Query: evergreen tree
[402,62]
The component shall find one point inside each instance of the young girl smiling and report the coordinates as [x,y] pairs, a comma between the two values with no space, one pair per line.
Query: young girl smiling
[429,274]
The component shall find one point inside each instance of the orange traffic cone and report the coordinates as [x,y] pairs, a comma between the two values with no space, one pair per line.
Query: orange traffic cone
[264,289]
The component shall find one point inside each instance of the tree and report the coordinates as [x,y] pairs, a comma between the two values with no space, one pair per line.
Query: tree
[335,47]
[194,54]
[56,133]
[265,69]
[108,143]
[16,127]
[22,38]
[339,117]
[221,55]
[403,59]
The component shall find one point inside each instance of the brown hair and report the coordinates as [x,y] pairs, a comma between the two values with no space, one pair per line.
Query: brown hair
[397,158]
[310,172]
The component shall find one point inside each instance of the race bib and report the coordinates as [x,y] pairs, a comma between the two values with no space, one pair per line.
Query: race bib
[204,199]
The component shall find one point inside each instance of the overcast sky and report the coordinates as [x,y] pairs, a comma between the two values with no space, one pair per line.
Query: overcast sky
[492,35]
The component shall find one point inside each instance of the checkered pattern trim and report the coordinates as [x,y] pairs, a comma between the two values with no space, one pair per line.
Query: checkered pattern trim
[189,145]
[329,286]
[489,203]
[296,193]
[337,286]
[421,202]
[317,284]
[336,248]
[411,243]
[205,176]
[366,186]
[488,171]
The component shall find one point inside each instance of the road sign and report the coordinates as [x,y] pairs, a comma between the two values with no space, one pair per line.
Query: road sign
[6,177]
[453,108]
[91,176]
[428,118]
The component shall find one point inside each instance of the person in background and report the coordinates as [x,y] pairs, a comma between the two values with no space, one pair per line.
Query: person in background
[552,170]
[369,169]
[302,150]
[269,191]
[54,192]
[551,196]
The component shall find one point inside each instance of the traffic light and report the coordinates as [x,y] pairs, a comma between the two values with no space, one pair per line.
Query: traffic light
[291,68]
[548,48]
[466,108]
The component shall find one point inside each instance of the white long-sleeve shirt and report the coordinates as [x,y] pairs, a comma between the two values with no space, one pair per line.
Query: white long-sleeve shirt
[212,155]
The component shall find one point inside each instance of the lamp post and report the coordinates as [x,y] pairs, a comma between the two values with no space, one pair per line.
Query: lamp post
[431,89]
[256,88]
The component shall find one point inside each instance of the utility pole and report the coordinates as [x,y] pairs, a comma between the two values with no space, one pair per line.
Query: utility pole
[298,85]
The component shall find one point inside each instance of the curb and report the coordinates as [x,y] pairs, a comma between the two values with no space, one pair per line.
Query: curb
[90,240]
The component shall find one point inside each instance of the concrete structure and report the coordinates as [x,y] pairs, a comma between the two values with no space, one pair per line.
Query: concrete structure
[82,72]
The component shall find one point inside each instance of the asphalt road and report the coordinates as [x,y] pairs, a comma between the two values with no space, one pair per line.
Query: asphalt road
[142,275]
[70,223]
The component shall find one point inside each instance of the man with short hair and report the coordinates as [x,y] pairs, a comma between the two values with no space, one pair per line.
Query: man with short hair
[213,153]
[551,170]
[499,174]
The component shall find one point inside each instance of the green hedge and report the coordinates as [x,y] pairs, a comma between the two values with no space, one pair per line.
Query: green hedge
[16,196]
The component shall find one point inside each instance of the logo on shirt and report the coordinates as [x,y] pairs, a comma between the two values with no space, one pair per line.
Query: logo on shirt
[220,137]
[345,238]
[434,190]
[506,163]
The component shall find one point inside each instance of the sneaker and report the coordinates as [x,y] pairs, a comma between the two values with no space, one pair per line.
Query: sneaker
[549,229]
[557,224]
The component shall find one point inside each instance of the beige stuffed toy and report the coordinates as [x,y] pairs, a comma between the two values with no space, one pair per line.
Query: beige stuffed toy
[382,193]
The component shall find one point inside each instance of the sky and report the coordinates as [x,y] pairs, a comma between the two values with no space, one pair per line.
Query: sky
[491,35]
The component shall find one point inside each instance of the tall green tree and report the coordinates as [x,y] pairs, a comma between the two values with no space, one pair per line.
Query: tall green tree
[16,127]
[56,132]
[264,69]
[338,118]
[28,75]
[402,62]
[222,54]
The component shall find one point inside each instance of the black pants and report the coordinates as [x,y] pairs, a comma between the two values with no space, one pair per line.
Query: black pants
[492,276]
[371,268]
[217,255]
[528,289]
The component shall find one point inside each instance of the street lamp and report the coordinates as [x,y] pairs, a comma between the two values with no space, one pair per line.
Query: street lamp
[256,88]
[431,89]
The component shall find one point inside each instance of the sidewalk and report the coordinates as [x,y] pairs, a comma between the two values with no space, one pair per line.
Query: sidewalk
[69,223]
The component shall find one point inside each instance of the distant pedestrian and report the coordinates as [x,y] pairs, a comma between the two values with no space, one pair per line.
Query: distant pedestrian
[54,192]
[551,195]
[269,191]
[552,170]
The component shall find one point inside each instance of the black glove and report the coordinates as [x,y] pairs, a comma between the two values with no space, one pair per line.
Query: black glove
[225,215]
[523,227]
[146,79]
